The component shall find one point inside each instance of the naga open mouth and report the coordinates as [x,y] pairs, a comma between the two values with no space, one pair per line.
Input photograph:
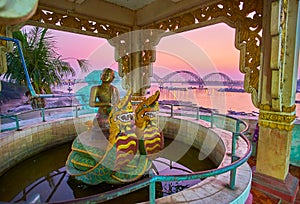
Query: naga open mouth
[151,114]
[126,117]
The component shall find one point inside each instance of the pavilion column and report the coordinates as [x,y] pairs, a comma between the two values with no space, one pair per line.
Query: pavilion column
[277,92]
[5,31]
[135,53]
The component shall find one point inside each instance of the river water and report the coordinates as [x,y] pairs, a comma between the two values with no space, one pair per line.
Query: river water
[208,98]
[214,99]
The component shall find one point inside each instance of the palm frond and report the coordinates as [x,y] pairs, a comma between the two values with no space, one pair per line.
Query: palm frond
[83,64]
[45,66]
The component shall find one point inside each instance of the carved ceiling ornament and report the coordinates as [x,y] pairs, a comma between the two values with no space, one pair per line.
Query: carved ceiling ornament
[243,15]
[46,17]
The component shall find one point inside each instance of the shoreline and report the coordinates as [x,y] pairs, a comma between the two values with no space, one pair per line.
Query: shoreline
[14,106]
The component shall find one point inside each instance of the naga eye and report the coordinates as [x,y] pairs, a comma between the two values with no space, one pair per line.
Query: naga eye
[144,105]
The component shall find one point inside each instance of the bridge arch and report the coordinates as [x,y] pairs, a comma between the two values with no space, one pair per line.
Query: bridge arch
[156,78]
[218,79]
[217,76]
[190,77]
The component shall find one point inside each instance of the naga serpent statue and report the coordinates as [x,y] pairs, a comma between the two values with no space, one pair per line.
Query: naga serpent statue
[147,126]
[124,156]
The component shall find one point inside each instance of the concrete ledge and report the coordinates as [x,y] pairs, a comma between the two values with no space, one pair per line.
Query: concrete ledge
[197,134]
[15,146]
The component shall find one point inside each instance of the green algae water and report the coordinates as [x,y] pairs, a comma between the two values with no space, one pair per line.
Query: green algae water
[45,175]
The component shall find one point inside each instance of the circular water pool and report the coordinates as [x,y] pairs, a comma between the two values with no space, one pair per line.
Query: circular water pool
[44,175]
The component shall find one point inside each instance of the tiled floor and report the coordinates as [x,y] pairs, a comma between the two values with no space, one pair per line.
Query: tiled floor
[262,198]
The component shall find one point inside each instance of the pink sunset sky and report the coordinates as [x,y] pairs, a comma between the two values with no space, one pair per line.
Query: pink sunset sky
[202,51]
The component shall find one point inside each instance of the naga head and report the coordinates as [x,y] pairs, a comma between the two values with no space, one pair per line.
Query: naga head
[121,116]
[146,110]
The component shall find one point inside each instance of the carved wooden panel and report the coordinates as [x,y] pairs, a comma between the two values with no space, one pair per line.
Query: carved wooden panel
[46,17]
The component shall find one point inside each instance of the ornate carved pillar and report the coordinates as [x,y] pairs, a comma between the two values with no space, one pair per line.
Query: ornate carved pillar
[277,93]
[135,53]
[279,78]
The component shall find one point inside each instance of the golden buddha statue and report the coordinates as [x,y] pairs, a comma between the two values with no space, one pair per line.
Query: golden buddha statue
[104,96]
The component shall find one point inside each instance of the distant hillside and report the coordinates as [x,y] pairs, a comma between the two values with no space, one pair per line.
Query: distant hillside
[10,91]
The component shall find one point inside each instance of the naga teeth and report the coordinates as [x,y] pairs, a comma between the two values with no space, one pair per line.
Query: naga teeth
[126,117]
[151,114]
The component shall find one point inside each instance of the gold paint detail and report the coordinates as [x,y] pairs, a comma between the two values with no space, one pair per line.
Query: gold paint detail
[81,164]
[126,146]
[150,142]
[87,152]
[267,107]
[123,107]
[135,53]
[3,43]
[137,176]
[146,105]
[136,98]
[47,17]
[124,137]
[279,120]
[146,58]
[125,54]
[244,16]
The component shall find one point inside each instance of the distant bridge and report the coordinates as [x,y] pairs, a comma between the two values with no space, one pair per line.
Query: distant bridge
[187,77]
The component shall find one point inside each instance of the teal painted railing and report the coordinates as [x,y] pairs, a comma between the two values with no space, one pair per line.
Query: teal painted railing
[29,84]
[15,119]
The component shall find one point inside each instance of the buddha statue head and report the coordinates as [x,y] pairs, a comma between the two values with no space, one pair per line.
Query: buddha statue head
[108,75]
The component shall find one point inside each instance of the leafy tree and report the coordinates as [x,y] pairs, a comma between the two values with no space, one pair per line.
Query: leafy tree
[45,66]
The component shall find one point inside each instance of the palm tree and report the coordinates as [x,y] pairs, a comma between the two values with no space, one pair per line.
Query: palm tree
[45,66]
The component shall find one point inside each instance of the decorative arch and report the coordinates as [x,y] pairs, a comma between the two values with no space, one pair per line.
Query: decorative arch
[195,76]
[217,74]
[50,18]
[156,78]
[244,16]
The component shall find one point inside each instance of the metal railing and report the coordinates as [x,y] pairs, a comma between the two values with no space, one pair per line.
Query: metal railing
[16,118]
[201,113]
[214,118]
